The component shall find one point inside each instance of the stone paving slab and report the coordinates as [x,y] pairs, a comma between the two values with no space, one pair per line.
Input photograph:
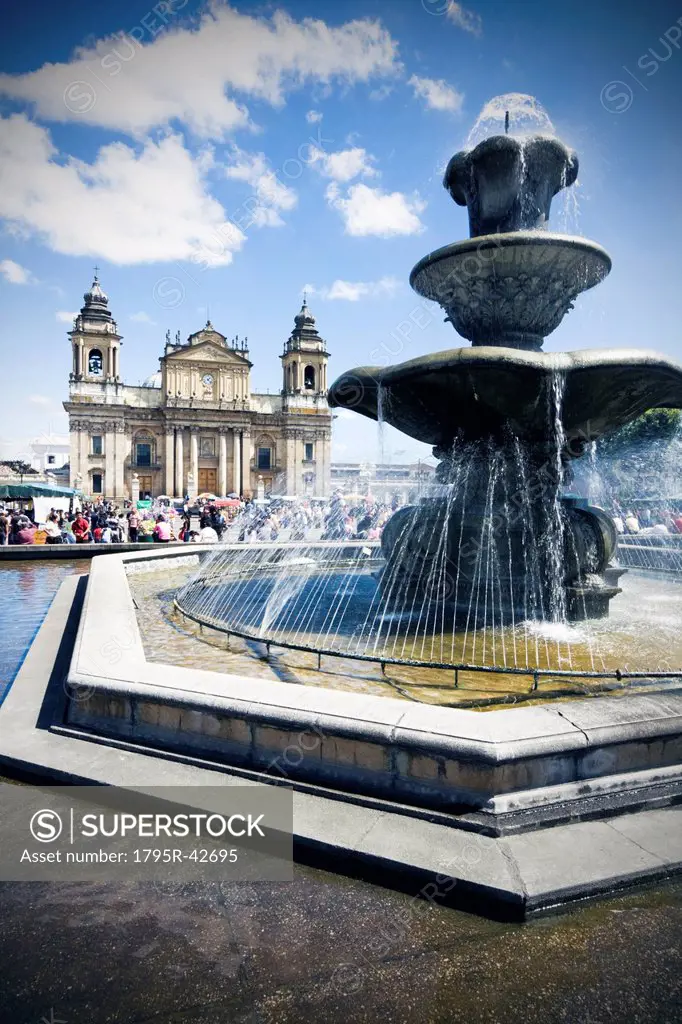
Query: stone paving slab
[584,857]
[658,832]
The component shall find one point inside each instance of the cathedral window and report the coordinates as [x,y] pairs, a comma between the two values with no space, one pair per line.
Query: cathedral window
[96,443]
[265,458]
[309,378]
[309,451]
[143,454]
[95,362]
[143,449]
[96,483]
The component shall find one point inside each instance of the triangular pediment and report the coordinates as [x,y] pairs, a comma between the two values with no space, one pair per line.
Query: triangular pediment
[207,352]
[206,334]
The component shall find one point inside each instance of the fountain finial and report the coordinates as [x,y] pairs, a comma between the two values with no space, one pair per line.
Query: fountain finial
[508,184]
[506,122]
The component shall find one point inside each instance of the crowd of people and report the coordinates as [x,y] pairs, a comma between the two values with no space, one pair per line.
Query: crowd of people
[95,522]
[334,519]
[647,521]
[201,521]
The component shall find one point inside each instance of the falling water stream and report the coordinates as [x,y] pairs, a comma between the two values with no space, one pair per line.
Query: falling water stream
[450,592]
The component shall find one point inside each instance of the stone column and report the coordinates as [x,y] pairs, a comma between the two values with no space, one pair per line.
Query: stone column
[222,463]
[290,460]
[84,445]
[109,461]
[246,462]
[76,468]
[119,461]
[194,462]
[179,465]
[169,464]
[236,462]
[318,451]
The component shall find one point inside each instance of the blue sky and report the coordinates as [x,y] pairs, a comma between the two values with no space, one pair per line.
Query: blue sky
[226,156]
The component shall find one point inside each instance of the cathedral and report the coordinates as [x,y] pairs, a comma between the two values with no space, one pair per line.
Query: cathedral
[195,426]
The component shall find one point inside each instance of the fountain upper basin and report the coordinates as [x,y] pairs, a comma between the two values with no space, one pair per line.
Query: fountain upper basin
[510,289]
[482,391]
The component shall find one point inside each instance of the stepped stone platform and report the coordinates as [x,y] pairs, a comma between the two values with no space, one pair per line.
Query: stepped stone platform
[526,809]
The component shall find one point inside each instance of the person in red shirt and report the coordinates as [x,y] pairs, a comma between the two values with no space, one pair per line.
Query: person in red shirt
[81,529]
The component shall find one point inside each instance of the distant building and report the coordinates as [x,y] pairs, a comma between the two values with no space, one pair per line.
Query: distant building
[50,453]
[403,482]
[196,426]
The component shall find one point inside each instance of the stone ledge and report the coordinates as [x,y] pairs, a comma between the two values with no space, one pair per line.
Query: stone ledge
[505,762]
[50,552]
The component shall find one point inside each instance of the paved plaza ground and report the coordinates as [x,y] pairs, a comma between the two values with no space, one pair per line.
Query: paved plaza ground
[326,948]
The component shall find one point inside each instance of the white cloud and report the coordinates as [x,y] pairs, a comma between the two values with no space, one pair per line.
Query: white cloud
[352,291]
[437,94]
[142,318]
[40,400]
[381,93]
[148,203]
[65,318]
[371,211]
[313,117]
[465,19]
[14,273]
[345,164]
[201,74]
[270,195]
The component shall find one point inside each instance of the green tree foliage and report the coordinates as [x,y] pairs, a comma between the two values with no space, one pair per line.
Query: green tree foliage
[643,458]
[656,425]
[17,466]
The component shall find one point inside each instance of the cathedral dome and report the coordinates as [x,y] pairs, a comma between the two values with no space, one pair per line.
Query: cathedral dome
[95,307]
[95,295]
[154,381]
[305,318]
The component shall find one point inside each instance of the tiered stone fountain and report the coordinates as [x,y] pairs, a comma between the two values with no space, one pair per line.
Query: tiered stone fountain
[505,418]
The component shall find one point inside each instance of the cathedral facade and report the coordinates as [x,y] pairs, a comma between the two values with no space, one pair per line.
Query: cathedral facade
[195,426]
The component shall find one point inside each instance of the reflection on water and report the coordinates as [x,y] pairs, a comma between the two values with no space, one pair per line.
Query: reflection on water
[26,592]
[642,634]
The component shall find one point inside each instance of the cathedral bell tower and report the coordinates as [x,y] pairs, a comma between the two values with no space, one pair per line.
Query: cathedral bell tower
[304,360]
[95,340]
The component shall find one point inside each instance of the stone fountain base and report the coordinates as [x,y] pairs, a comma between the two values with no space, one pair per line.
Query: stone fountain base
[495,565]
[517,810]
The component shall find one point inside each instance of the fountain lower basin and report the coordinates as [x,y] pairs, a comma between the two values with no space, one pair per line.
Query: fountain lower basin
[483,390]
[336,608]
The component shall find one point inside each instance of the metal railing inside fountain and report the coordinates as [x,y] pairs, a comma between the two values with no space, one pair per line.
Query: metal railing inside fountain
[656,552]
[325,598]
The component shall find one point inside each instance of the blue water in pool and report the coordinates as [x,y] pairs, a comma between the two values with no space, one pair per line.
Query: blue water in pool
[26,592]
